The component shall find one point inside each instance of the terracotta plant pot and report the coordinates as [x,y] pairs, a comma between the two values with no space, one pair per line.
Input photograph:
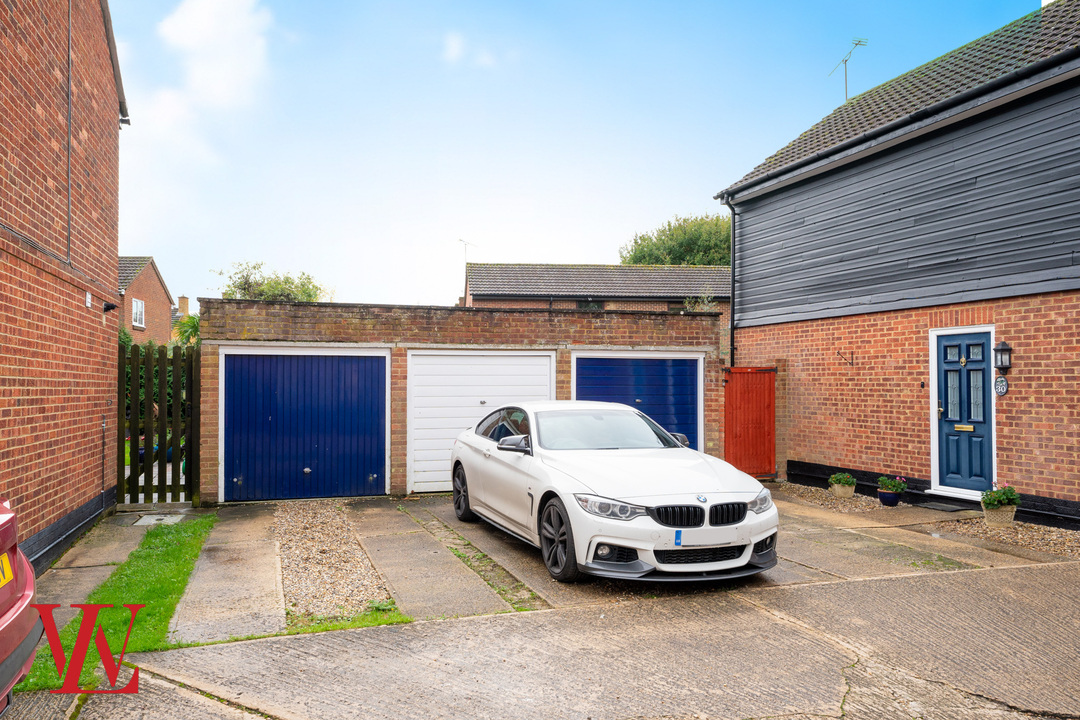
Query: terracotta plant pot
[890,499]
[999,516]
[842,491]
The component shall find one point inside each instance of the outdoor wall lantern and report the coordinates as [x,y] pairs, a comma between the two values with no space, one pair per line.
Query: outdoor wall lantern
[1003,357]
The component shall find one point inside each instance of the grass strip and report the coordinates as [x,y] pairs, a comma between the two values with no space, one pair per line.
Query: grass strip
[155,575]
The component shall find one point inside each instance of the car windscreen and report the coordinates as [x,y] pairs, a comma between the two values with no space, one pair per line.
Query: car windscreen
[599,430]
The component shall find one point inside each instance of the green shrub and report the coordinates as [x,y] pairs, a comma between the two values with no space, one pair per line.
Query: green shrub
[888,484]
[1004,495]
[841,479]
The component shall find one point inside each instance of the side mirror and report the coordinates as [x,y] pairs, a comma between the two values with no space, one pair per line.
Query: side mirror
[516,443]
[682,439]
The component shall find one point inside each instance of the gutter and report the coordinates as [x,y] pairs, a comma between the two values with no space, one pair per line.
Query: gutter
[111,40]
[921,114]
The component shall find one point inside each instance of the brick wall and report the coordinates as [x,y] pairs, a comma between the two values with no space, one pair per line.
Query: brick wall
[402,328]
[875,415]
[57,357]
[147,287]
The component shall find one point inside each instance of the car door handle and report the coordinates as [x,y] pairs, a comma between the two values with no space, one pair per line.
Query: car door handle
[487,453]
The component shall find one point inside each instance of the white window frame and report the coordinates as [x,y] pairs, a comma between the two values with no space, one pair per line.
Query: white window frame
[138,313]
[935,458]
[650,355]
[296,349]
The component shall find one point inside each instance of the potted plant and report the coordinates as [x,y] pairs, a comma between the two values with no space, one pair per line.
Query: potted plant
[999,506]
[842,485]
[890,489]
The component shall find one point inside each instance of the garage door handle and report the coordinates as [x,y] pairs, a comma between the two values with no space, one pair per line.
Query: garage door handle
[307,471]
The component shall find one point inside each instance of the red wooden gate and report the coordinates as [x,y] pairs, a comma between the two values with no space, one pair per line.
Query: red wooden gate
[750,420]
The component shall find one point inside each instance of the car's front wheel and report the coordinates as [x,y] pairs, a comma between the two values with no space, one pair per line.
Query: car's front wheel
[461,496]
[557,542]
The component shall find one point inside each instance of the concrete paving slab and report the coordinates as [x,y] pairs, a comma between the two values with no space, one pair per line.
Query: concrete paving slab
[708,656]
[372,519]
[66,586]
[964,552]
[791,510]
[159,520]
[159,700]
[427,580]
[521,560]
[831,559]
[235,589]
[1008,634]
[104,544]
[42,706]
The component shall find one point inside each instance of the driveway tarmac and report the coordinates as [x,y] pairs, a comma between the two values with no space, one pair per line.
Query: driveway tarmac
[866,616]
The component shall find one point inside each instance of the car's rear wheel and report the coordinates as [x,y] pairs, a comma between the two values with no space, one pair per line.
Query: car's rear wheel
[461,496]
[557,542]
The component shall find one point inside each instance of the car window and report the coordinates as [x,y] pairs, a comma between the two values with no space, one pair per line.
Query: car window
[599,430]
[485,426]
[504,423]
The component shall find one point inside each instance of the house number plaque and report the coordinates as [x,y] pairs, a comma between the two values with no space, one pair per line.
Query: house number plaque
[1001,385]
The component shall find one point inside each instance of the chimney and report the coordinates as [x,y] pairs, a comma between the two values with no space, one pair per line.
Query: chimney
[183,301]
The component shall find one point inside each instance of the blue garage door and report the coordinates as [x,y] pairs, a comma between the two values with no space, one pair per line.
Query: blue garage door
[665,390]
[299,426]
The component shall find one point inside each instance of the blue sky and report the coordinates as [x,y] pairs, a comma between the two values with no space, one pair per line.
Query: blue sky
[359,142]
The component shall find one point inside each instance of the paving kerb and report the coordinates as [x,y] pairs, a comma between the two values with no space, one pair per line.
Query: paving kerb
[425,579]
[158,699]
[709,654]
[1009,634]
[235,588]
[923,539]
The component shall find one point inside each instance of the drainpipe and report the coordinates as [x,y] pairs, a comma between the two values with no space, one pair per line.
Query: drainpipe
[69,135]
[731,304]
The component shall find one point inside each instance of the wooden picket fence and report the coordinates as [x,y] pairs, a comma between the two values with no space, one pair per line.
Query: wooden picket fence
[158,411]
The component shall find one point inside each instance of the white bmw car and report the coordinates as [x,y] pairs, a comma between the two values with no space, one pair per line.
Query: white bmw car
[602,489]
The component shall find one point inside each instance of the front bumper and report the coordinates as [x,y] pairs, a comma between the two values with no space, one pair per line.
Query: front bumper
[662,551]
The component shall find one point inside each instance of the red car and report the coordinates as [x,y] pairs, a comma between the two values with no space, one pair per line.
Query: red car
[20,625]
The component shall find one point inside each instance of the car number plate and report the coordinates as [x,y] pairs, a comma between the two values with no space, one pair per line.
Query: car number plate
[704,537]
[6,575]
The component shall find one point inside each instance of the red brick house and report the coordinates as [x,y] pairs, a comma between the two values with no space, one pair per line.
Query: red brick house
[147,311]
[62,106]
[652,288]
[883,258]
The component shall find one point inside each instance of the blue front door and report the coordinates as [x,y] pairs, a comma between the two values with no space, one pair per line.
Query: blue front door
[299,426]
[965,438]
[665,389]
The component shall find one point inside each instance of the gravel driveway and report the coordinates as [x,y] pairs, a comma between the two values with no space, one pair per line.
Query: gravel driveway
[324,571]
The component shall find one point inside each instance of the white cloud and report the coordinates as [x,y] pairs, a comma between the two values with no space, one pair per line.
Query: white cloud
[453,47]
[456,50]
[222,49]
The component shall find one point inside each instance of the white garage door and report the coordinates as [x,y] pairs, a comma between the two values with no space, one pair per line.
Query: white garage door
[450,391]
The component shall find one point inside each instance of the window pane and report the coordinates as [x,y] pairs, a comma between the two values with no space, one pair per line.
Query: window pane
[953,383]
[952,352]
[975,379]
[975,352]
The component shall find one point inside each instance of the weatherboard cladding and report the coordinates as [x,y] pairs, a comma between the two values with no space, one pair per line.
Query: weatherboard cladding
[1037,36]
[599,281]
[983,210]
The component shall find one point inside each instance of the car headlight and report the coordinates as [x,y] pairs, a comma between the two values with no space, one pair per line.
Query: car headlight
[761,503]
[605,507]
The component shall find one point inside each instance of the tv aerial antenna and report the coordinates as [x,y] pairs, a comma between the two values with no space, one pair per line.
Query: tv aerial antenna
[855,43]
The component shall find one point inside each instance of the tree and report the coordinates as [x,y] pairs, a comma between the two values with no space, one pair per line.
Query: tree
[704,240]
[248,282]
[187,330]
